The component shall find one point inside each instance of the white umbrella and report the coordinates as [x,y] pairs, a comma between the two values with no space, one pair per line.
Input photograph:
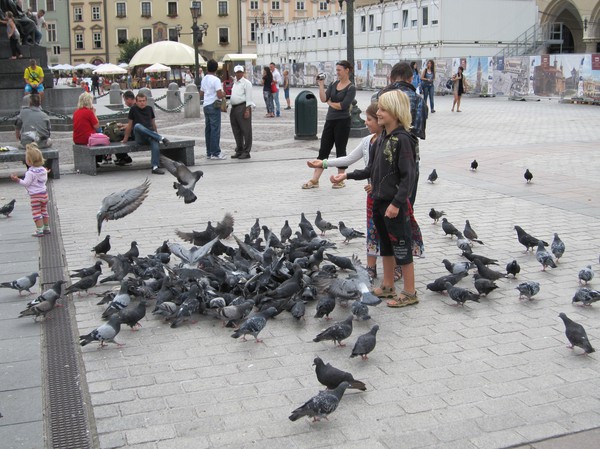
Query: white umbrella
[63,67]
[109,69]
[85,66]
[166,52]
[123,65]
[156,68]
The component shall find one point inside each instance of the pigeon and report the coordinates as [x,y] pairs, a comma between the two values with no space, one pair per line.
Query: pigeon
[131,316]
[44,306]
[484,260]
[103,247]
[332,377]
[7,209]
[233,313]
[463,243]
[439,285]
[166,309]
[119,302]
[345,263]
[321,405]
[133,252]
[528,176]
[513,268]
[224,227]
[484,286]
[349,233]
[576,334]
[586,275]
[433,176]
[82,272]
[448,228]
[586,296]
[458,267]
[557,247]
[186,179]
[470,233]
[528,289]
[22,284]
[325,306]
[120,204]
[461,295]
[336,332]
[365,343]
[305,223]
[255,230]
[436,215]
[544,257]
[53,292]
[84,284]
[297,309]
[104,334]
[197,238]
[474,165]
[323,225]
[286,232]
[254,324]
[528,241]
[192,255]
[360,310]
[488,273]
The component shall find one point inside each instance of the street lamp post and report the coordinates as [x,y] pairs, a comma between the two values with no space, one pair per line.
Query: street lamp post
[195,11]
[349,33]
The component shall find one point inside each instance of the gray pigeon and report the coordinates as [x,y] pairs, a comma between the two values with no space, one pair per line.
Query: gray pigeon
[439,285]
[120,204]
[84,284]
[133,252]
[21,284]
[557,247]
[103,247]
[119,302]
[349,233]
[224,227]
[332,377]
[484,286]
[321,405]
[360,311]
[448,228]
[544,257]
[105,333]
[488,273]
[254,324]
[46,305]
[576,334]
[436,215]
[325,306]
[586,296]
[528,289]
[458,267]
[323,225]
[186,179]
[192,255]
[286,232]
[345,263]
[463,243]
[336,332]
[53,292]
[513,268]
[234,313]
[585,275]
[365,343]
[7,209]
[83,272]
[470,233]
[131,316]
[433,176]
[461,295]
[527,240]
[255,230]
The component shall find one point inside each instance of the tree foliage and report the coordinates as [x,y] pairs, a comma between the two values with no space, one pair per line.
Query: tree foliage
[130,48]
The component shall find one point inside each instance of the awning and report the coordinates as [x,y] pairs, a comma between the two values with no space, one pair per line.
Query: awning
[239,57]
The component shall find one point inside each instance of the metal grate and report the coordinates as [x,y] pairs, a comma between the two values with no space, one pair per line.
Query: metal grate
[67,417]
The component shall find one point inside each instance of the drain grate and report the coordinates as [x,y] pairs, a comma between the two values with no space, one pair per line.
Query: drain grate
[67,422]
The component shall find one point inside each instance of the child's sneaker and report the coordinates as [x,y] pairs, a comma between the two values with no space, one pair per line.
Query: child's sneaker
[47,231]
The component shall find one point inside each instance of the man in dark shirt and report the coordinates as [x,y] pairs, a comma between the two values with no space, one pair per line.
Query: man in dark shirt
[143,126]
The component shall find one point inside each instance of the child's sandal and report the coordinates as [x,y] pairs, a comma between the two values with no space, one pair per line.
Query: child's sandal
[310,185]
[384,292]
[372,271]
[397,273]
[405,299]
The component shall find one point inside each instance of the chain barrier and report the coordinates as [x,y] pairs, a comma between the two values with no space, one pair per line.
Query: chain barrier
[64,117]
[100,96]
[118,114]
[8,117]
[160,98]
[176,109]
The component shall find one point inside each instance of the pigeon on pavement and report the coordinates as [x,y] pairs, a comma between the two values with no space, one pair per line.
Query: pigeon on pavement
[255,230]
[436,215]
[84,284]
[576,334]
[488,273]
[586,296]
[104,334]
[103,247]
[470,233]
[527,175]
[528,289]
[336,332]
[513,268]
[186,179]
[528,241]
[119,302]
[484,260]
[345,263]
[439,285]
[286,232]
[82,272]
[557,247]
[365,343]
[349,233]
[360,310]
[474,165]
[321,405]
[458,267]
[44,303]
[53,292]
[120,204]
[449,228]
[133,252]
[484,286]
[323,225]
[544,257]
[22,284]
[332,377]
[325,306]
[460,295]
[586,274]
[433,176]
[131,316]
[7,209]
[254,324]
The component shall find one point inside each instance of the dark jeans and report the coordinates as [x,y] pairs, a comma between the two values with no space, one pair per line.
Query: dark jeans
[15,48]
[334,132]
[268,97]
[413,195]
[212,130]
[395,234]
[144,136]
[242,129]
[429,91]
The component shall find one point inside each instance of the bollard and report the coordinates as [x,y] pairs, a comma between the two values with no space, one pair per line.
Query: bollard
[192,107]
[148,93]
[173,98]
[357,124]
[114,96]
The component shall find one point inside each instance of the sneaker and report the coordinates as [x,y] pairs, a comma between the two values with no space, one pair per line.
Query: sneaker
[235,155]
[122,162]
[158,171]
[37,234]
[288,108]
[165,141]
[244,156]
[219,156]
[47,231]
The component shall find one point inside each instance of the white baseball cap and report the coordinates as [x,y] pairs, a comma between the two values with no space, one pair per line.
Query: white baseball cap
[238,68]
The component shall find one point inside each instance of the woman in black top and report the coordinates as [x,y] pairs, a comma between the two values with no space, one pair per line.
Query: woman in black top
[267,80]
[458,88]
[339,96]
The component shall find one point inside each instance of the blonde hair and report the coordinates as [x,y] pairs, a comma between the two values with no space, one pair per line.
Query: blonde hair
[34,155]
[397,104]
[86,100]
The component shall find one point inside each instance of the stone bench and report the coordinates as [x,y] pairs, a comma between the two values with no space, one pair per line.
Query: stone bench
[17,155]
[84,157]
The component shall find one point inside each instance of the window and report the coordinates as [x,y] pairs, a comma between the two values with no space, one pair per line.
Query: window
[79,41]
[95,12]
[33,5]
[371,22]
[434,14]
[199,5]
[172,10]
[121,9]
[51,32]
[405,18]
[323,6]
[147,35]
[275,5]
[122,36]
[425,15]
[56,50]
[395,26]
[363,24]
[414,19]
[146,10]
[223,8]
[343,26]
[319,33]
[173,35]
[300,6]
[49,6]
[77,14]
[97,39]
[223,36]
[254,4]
[253,31]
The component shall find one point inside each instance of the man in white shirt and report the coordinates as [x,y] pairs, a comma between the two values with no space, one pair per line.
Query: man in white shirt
[241,114]
[40,23]
[278,79]
[211,91]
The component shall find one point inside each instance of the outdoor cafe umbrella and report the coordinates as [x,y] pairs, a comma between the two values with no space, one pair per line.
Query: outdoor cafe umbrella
[169,53]
[156,68]
[109,69]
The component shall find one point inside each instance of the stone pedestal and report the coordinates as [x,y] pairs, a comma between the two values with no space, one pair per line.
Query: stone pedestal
[114,96]
[173,96]
[192,107]
[148,93]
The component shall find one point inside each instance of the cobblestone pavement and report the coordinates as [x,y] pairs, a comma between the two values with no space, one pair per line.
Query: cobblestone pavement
[489,375]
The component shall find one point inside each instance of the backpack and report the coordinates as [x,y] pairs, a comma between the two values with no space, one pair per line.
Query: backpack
[98,139]
[114,133]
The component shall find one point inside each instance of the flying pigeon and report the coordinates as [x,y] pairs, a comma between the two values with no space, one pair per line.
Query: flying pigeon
[186,179]
[321,405]
[7,209]
[104,334]
[197,238]
[224,227]
[586,274]
[527,175]
[365,343]
[349,233]
[323,225]
[433,176]
[120,204]
[474,165]
[586,296]
[460,295]
[336,332]
[528,289]
[332,377]
[23,283]
[576,334]
[192,255]
[528,241]
[544,257]
[557,247]
[254,324]
[436,215]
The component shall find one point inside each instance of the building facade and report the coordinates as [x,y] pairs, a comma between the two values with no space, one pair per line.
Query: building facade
[56,36]
[87,22]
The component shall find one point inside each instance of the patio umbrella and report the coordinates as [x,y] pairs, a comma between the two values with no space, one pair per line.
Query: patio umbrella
[85,66]
[123,65]
[166,52]
[156,68]
[109,69]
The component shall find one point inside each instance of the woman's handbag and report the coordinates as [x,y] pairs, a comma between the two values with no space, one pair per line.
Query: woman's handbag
[449,84]
[224,105]
[98,139]
[274,88]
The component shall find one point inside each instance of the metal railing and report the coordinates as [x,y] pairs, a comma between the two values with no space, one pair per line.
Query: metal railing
[533,40]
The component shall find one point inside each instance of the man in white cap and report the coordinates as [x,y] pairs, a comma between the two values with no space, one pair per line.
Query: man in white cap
[241,114]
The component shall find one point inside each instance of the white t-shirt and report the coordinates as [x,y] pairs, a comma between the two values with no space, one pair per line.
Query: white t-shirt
[39,21]
[277,77]
[210,85]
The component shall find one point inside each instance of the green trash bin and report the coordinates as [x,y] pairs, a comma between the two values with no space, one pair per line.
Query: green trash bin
[305,116]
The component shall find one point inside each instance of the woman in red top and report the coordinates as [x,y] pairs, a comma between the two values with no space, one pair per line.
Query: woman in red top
[85,122]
